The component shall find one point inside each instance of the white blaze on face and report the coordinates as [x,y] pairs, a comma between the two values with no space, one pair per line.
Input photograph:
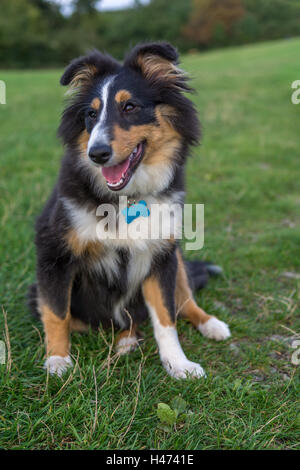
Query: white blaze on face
[99,132]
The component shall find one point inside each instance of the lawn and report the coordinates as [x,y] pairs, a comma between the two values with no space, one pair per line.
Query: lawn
[246,172]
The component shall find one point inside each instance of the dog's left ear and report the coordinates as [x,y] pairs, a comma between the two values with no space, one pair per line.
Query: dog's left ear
[157,61]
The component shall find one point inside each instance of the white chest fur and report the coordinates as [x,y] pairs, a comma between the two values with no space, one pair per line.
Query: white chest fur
[140,250]
[142,234]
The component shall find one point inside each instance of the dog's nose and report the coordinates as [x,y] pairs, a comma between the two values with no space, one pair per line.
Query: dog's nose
[100,153]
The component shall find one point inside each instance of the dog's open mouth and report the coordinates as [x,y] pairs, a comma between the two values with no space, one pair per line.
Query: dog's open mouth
[118,176]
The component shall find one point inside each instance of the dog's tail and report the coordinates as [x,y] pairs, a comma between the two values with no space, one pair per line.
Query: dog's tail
[32,301]
[199,273]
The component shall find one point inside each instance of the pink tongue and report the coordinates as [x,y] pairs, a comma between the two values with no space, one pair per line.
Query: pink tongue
[113,174]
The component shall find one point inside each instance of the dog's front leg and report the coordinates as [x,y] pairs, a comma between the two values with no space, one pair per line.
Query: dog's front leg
[54,297]
[159,292]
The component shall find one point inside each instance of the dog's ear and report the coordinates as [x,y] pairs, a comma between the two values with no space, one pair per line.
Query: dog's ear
[83,70]
[157,61]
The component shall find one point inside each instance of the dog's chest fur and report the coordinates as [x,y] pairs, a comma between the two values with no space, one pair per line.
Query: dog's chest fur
[124,260]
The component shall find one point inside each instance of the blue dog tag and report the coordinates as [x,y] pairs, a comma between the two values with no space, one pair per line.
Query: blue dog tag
[136,210]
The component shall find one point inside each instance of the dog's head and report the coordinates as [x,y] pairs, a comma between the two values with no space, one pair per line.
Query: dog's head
[131,123]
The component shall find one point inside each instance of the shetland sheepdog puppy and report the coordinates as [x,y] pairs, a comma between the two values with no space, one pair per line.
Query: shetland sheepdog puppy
[127,130]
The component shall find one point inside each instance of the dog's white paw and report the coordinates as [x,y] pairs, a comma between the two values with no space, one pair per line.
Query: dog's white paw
[184,370]
[58,364]
[215,329]
[126,345]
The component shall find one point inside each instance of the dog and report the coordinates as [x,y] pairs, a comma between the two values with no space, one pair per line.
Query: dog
[127,129]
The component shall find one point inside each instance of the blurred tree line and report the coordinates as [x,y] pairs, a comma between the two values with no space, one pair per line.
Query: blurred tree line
[35,33]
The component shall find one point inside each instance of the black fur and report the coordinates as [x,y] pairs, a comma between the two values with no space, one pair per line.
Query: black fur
[93,295]
[104,64]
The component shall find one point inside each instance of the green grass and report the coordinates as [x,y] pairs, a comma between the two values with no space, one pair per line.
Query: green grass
[246,172]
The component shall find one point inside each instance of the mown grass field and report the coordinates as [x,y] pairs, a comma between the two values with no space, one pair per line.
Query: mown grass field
[246,172]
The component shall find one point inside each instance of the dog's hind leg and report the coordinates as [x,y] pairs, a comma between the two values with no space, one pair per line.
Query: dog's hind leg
[77,325]
[127,341]
[208,325]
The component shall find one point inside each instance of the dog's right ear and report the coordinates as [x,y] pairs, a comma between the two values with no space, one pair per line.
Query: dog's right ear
[83,70]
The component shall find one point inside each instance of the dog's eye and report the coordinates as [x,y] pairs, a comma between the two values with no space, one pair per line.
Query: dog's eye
[129,107]
[92,114]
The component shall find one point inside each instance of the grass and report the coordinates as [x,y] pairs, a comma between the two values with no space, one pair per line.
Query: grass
[246,172]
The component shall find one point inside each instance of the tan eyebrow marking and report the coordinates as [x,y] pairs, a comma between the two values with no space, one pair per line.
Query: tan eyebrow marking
[122,95]
[96,103]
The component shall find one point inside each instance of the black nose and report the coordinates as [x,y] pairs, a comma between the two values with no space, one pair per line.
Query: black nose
[100,153]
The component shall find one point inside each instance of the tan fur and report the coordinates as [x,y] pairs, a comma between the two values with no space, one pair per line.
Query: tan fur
[122,96]
[96,103]
[153,296]
[83,141]
[155,67]
[185,303]
[127,333]
[57,332]
[78,325]
[83,77]
[92,249]
[162,139]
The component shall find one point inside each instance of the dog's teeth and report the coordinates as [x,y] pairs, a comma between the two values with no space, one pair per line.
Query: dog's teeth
[121,181]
